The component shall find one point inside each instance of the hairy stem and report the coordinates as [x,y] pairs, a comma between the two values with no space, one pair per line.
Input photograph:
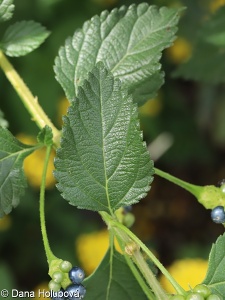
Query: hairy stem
[29,101]
[50,256]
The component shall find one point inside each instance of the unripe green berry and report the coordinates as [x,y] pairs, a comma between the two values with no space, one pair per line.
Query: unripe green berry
[57,277]
[202,289]
[128,219]
[65,266]
[54,286]
[194,296]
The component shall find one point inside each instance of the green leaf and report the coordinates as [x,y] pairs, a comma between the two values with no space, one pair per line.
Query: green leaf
[129,41]
[113,280]
[23,37]
[12,179]
[45,136]
[6,10]
[215,277]
[205,63]
[103,163]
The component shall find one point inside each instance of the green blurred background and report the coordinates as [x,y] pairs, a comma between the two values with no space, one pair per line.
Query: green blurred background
[191,112]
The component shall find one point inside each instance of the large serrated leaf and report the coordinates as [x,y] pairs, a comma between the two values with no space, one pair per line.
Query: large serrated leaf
[129,41]
[103,163]
[12,179]
[215,277]
[113,280]
[6,10]
[23,37]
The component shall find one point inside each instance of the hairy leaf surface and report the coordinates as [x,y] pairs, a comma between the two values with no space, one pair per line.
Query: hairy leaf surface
[103,163]
[6,10]
[113,280]
[12,179]
[129,41]
[215,277]
[23,37]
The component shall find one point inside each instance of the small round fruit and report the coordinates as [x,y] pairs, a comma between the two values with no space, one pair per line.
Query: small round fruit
[75,291]
[194,296]
[202,289]
[218,214]
[54,286]
[57,276]
[128,220]
[65,266]
[214,297]
[76,275]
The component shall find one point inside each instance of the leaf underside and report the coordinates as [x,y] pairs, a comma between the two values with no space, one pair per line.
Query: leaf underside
[103,163]
[6,10]
[23,37]
[129,41]
[113,280]
[215,277]
[12,178]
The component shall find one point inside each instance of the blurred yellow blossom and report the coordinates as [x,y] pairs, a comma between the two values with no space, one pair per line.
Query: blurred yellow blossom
[152,107]
[91,248]
[5,223]
[214,5]
[180,51]
[187,272]
[33,164]
[62,109]
[40,290]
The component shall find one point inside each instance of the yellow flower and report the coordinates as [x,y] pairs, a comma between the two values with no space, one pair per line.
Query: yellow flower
[152,107]
[34,163]
[5,223]
[180,51]
[187,272]
[91,248]
[214,5]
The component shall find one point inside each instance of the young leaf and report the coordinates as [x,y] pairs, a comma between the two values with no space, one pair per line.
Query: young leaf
[113,280]
[23,37]
[129,41]
[45,136]
[103,163]
[12,179]
[6,10]
[215,277]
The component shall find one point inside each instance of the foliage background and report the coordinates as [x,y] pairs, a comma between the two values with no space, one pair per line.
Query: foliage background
[169,220]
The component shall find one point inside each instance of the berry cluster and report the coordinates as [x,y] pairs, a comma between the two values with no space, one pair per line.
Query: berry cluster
[200,292]
[218,213]
[75,290]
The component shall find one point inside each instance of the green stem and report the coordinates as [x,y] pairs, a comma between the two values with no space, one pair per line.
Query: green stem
[123,240]
[50,256]
[191,188]
[29,101]
[113,223]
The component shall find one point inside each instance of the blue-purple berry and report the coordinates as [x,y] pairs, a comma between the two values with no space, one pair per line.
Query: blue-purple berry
[218,214]
[76,275]
[75,291]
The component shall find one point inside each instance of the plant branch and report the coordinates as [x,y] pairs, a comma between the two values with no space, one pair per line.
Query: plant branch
[29,101]
[191,188]
[50,256]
